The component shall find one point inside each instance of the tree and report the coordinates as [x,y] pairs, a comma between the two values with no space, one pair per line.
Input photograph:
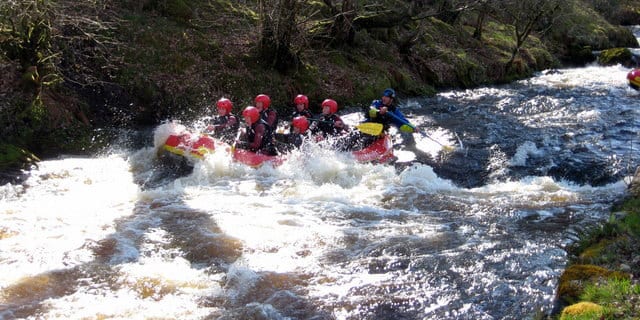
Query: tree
[277,29]
[484,9]
[524,16]
[341,28]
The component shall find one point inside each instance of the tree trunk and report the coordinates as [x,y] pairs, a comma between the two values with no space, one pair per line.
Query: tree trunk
[482,14]
[278,27]
[341,30]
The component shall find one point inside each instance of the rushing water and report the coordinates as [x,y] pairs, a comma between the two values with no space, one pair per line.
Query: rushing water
[471,231]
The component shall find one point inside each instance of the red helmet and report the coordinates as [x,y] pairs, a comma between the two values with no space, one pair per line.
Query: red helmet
[332,104]
[301,99]
[252,114]
[301,123]
[266,101]
[634,77]
[224,104]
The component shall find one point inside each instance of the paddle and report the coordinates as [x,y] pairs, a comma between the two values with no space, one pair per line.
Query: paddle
[405,122]
[318,120]
[370,128]
[235,142]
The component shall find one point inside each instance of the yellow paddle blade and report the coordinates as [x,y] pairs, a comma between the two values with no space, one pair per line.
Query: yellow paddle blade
[371,128]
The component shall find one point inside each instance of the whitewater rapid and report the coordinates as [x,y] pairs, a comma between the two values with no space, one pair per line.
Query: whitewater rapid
[322,236]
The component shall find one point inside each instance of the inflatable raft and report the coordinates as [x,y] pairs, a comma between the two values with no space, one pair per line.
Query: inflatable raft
[380,151]
[187,144]
[200,145]
[634,79]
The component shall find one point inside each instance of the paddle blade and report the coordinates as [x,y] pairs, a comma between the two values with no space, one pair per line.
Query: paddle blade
[371,128]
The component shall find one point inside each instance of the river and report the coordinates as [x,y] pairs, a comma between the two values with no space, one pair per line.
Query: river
[475,230]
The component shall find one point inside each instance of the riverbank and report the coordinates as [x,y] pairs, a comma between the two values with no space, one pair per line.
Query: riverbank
[72,67]
[601,280]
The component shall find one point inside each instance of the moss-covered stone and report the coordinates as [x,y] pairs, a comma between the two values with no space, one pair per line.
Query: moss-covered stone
[575,278]
[615,56]
[582,310]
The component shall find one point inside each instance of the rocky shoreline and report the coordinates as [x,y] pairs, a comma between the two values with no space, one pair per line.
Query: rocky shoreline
[602,278]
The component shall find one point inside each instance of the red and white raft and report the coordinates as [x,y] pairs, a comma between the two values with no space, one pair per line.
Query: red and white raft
[200,145]
[380,151]
[183,144]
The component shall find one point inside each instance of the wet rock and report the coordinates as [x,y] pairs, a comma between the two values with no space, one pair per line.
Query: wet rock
[625,267]
[634,187]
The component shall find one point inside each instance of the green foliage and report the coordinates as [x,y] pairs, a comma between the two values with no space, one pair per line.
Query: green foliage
[26,36]
[582,30]
[499,36]
[177,56]
[27,119]
[609,245]
[622,12]
[12,157]
[631,224]
[576,277]
[631,221]
[338,59]
[618,297]
[75,138]
[611,291]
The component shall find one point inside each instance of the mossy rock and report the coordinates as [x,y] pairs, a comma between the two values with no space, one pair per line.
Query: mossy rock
[470,74]
[582,310]
[576,277]
[615,56]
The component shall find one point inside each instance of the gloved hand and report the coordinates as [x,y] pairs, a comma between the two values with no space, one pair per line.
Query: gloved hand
[373,112]
[406,128]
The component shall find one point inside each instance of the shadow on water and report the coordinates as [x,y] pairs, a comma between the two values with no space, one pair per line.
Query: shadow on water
[194,236]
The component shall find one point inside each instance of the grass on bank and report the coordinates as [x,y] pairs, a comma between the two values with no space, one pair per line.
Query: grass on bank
[611,299]
[610,290]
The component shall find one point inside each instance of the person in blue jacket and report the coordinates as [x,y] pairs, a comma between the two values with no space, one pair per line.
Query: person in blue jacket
[386,112]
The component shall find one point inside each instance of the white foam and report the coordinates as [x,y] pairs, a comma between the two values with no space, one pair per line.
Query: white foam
[423,177]
[523,152]
[68,204]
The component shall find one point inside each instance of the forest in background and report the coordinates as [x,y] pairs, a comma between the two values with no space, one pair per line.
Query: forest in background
[73,71]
